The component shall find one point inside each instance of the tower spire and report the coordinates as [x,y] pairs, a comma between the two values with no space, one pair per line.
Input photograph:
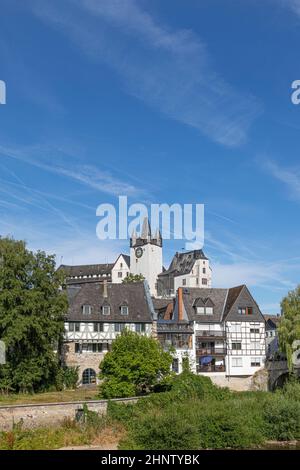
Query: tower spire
[146,230]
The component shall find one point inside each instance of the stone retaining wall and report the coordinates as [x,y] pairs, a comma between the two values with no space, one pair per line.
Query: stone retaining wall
[49,414]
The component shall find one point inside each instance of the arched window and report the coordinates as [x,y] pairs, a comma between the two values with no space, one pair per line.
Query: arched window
[88,377]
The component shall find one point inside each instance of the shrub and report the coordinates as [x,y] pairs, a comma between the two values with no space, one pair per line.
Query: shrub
[282,418]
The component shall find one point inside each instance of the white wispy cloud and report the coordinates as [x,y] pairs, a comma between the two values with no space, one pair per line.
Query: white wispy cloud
[287,175]
[89,175]
[170,70]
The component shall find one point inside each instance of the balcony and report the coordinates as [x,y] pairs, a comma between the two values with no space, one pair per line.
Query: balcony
[210,351]
[210,368]
[210,334]
[174,328]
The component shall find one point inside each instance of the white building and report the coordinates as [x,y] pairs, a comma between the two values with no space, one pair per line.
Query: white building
[188,269]
[121,269]
[222,331]
[146,256]
[98,313]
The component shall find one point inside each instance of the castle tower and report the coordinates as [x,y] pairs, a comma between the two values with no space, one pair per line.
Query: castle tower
[146,255]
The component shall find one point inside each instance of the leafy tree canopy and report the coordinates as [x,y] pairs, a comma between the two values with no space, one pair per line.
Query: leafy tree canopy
[133,278]
[31,317]
[134,366]
[289,327]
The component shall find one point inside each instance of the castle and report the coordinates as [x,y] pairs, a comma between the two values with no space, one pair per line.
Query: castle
[219,332]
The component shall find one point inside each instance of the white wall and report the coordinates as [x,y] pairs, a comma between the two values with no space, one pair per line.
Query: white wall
[253,346]
[149,265]
[119,267]
[195,277]
[87,331]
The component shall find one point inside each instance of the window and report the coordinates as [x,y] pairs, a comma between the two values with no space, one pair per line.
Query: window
[255,362]
[124,310]
[119,327]
[86,310]
[74,326]
[175,366]
[201,310]
[121,265]
[204,270]
[98,327]
[197,280]
[254,330]
[140,327]
[88,377]
[204,281]
[120,274]
[88,347]
[236,328]
[236,346]
[105,310]
[184,282]
[237,362]
[205,310]
[245,310]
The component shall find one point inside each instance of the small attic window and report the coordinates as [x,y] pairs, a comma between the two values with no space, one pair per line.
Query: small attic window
[124,309]
[86,309]
[105,309]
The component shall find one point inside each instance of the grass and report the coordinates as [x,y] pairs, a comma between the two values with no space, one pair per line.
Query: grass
[96,431]
[80,394]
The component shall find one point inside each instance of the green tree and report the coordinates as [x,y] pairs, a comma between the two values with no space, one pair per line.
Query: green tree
[133,278]
[32,309]
[289,327]
[134,366]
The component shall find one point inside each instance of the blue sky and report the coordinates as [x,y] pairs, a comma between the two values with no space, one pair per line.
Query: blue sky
[167,101]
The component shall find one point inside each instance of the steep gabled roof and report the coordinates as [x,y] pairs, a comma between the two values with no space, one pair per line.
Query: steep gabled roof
[96,295]
[214,296]
[225,302]
[182,263]
[126,259]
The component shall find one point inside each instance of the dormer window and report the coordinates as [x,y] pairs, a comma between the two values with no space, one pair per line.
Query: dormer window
[124,309]
[86,310]
[204,306]
[106,309]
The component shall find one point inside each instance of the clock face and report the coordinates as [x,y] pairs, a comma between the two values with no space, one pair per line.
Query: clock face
[138,252]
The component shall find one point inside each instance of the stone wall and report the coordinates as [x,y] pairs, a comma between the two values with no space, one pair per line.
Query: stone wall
[49,414]
[83,360]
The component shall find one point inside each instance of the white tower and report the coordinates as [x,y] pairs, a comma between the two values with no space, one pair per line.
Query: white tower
[146,255]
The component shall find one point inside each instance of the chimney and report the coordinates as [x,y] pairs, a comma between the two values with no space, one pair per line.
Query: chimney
[180,304]
[105,289]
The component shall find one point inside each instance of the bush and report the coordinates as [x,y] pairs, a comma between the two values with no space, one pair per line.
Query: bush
[188,384]
[282,418]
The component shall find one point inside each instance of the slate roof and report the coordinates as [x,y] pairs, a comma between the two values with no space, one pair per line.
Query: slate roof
[126,258]
[140,308]
[87,269]
[272,321]
[217,296]
[182,263]
[226,303]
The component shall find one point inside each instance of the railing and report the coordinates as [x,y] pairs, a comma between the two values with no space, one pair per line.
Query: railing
[174,328]
[175,343]
[210,351]
[211,368]
[210,333]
